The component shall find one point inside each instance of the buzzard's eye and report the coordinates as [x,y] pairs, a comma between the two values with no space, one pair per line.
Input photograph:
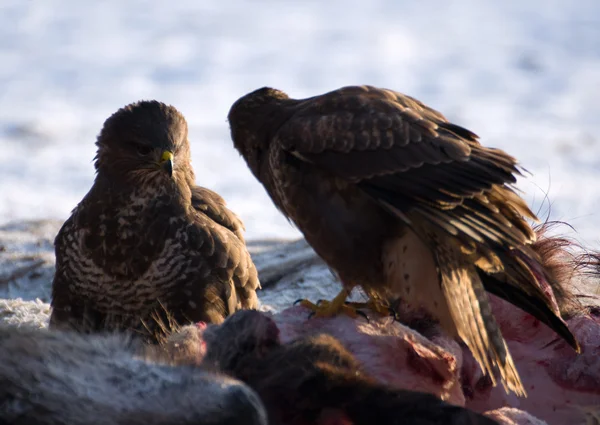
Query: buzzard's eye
[143,149]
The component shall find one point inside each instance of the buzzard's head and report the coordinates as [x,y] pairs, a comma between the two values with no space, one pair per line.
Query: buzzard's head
[249,118]
[143,140]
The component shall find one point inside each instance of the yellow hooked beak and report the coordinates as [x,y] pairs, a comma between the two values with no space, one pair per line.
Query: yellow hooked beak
[166,162]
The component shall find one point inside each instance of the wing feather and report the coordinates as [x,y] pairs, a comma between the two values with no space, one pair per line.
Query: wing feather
[409,156]
[213,205]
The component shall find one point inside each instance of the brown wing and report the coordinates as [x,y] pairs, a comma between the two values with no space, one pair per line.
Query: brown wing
[411,159]
[415,163]
[218,234]
[213,205]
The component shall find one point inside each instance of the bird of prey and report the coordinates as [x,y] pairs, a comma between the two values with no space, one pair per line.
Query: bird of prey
[402,203]
[146,247]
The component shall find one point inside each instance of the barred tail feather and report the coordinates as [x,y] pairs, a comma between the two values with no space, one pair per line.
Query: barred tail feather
[472,314]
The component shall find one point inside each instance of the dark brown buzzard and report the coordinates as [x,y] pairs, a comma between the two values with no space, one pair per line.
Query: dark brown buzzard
[402,203]
[146,240]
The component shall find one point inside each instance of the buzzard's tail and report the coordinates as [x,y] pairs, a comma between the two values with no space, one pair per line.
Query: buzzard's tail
[472,314]
[526,284]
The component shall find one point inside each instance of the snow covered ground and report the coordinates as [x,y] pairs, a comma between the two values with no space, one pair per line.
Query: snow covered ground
[524,75]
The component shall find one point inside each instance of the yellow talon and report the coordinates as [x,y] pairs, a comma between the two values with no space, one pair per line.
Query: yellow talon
[373,305]
[339,305]
[331,308]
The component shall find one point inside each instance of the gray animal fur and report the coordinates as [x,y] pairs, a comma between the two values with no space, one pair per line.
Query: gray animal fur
[57,377]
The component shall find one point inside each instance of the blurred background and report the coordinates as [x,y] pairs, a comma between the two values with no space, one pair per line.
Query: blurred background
[523,75]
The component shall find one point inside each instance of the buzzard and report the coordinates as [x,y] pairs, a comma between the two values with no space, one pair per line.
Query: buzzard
[403,204]
[146,247]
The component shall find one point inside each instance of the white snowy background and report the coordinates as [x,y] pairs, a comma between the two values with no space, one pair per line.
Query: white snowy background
[524,75]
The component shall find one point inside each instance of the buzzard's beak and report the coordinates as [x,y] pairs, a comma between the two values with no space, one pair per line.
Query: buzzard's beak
[166,162]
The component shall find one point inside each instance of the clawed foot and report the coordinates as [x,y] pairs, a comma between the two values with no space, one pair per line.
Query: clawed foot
[330,308]
[339,305]
[324,308]
[373,305]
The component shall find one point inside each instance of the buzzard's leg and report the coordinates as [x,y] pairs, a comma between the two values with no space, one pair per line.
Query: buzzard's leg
[331,308]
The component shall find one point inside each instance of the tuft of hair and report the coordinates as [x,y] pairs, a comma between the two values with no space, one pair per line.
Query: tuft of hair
[558,256]
[588,264]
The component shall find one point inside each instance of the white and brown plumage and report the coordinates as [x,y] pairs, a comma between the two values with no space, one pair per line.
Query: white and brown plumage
[401,202]
[146,242]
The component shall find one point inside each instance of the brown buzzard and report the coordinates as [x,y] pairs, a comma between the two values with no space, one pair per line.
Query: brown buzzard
[146,240]
[402,203]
